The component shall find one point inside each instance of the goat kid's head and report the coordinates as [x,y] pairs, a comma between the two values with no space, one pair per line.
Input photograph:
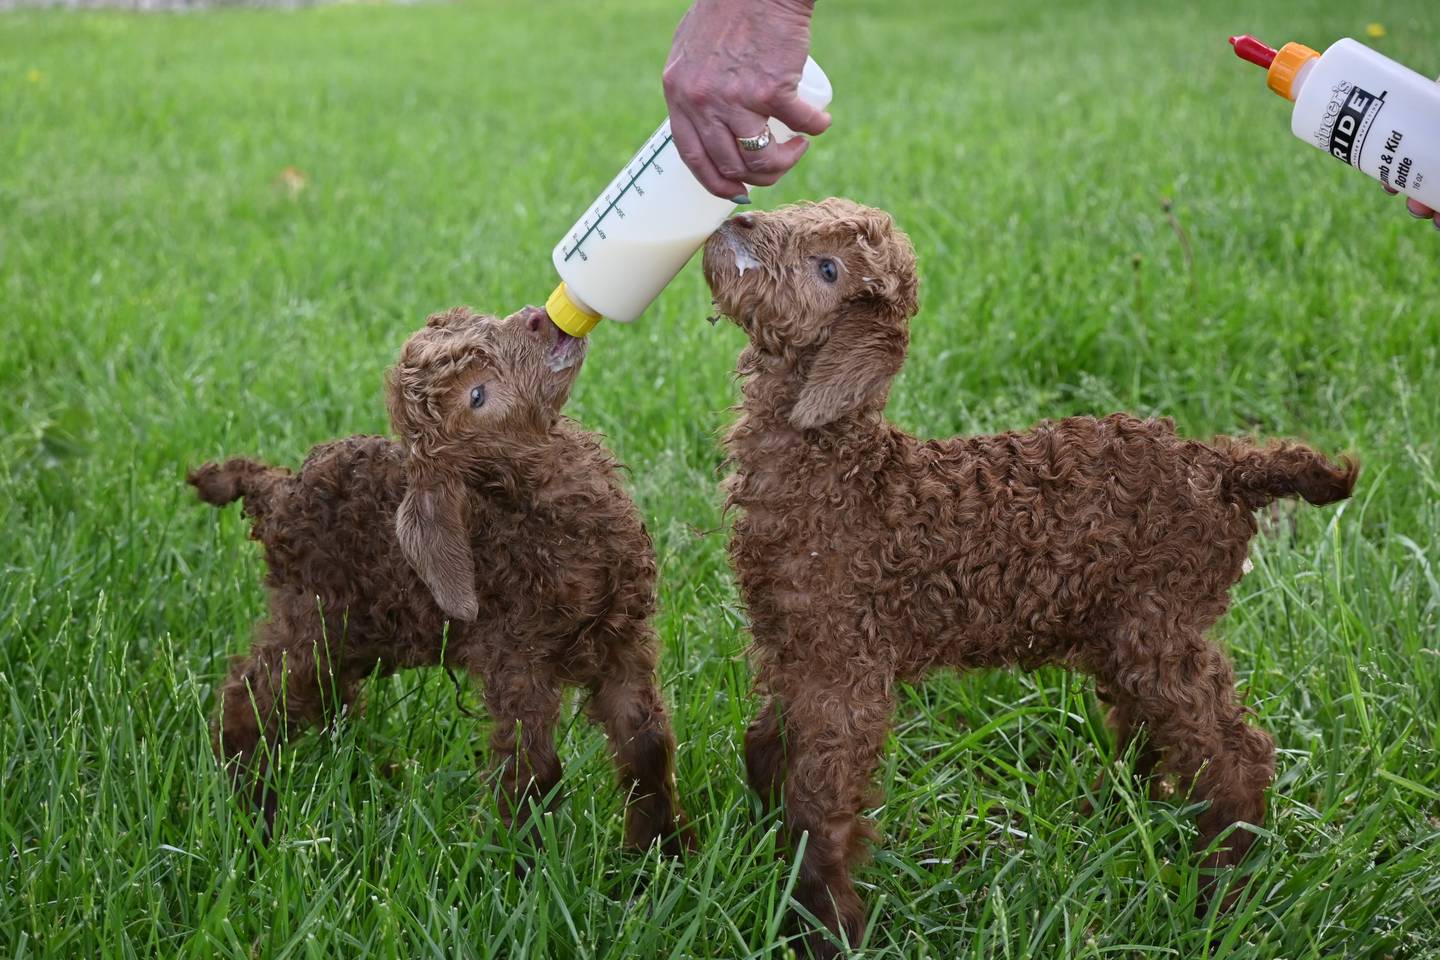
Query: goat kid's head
[826,288]
[469,388]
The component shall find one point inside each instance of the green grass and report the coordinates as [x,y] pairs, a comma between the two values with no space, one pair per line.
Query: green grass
[163,300]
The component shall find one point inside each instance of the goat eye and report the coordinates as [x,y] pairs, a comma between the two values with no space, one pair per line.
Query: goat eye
[829,270]
[477,396]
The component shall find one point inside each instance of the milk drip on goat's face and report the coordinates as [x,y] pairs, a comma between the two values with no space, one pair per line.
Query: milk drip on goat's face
[1362,108]
[644,227]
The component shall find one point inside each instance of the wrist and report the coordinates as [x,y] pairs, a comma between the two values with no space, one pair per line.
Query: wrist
[805,7]
[801,9]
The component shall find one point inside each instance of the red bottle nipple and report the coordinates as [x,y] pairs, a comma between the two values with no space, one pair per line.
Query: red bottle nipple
[1248,48]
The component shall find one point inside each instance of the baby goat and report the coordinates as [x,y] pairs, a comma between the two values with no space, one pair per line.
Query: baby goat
[867,556]
[494,512]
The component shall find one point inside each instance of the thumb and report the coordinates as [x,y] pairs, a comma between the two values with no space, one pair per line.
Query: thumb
[800,116]
[788,154]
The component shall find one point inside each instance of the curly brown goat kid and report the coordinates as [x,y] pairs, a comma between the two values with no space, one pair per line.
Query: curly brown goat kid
[867,556]
[492,512]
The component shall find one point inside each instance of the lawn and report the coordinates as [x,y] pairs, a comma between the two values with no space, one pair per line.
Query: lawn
[216,230]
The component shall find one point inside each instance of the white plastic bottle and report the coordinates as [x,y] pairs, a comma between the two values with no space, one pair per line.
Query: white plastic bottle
[644,227]
[1360,107]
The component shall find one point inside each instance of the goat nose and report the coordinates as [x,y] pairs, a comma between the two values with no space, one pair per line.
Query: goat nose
[745,221]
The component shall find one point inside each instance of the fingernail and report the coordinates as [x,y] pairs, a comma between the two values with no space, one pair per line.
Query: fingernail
[741,198]
[1416,213]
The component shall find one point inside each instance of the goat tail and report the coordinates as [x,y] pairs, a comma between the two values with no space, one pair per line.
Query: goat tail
[222,483]
[1263,474]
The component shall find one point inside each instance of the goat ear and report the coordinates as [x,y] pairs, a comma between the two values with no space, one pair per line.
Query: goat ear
[854,367]
[433,527]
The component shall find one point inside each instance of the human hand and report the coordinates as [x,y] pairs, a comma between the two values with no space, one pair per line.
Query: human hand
[1422,212]
[1418,210]
[734,65]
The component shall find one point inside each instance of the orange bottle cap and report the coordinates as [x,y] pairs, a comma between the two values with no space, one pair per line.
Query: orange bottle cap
[1283,71]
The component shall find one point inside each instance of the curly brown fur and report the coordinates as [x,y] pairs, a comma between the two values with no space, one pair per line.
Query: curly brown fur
[868,557]
[502,517]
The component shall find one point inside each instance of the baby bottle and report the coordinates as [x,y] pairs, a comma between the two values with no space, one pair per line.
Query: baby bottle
[644,227]
[1360,107]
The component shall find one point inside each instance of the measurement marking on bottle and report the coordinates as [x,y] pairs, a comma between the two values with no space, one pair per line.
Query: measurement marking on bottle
[593,227]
